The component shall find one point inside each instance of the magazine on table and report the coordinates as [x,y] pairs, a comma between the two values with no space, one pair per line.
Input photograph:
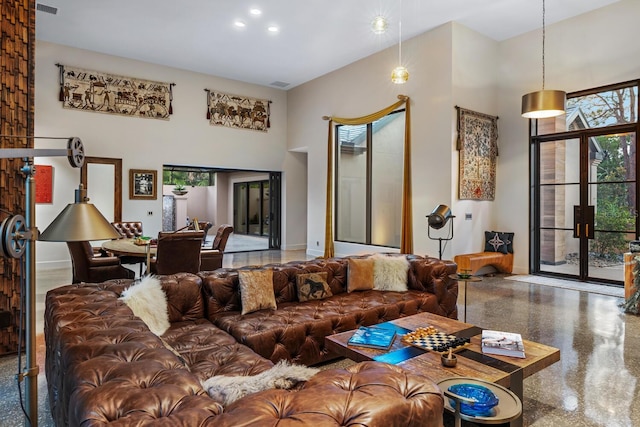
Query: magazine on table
[502,343]
[374,337]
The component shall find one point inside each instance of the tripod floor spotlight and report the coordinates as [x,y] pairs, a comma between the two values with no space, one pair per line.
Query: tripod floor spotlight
[437,219]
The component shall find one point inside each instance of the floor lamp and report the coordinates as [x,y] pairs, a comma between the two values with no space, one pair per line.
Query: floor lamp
[438,219]
[79,221]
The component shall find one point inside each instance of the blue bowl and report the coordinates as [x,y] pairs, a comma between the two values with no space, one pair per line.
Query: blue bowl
[484,398]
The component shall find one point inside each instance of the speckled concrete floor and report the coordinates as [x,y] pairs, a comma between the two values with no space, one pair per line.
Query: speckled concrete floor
[594,384]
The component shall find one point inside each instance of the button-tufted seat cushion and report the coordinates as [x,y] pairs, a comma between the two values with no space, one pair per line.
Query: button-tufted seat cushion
[369,394]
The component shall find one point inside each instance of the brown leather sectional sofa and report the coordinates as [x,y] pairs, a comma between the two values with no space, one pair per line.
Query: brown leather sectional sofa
[104,366]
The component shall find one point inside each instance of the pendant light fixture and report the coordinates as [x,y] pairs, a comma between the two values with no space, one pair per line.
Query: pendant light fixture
[400,74]
[543,103]
[379,25]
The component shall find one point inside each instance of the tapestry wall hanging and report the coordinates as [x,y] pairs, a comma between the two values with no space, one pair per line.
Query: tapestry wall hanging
[478,147]
[107,93]
[237,111]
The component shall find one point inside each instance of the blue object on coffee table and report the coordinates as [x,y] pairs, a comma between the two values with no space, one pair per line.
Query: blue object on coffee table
[484,399]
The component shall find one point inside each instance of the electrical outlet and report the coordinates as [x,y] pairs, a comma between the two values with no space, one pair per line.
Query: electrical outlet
[150,213]
[467,217]
[317,243]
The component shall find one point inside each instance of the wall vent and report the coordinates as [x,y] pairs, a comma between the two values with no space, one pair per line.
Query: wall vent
[47,9]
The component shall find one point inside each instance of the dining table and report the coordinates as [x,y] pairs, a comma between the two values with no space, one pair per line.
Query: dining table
[132,247]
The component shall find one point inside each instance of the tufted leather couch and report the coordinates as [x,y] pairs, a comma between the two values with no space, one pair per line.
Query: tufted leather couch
[296,331]
[104,366]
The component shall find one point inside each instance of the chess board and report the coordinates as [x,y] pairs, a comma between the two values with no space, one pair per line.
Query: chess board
[439,342]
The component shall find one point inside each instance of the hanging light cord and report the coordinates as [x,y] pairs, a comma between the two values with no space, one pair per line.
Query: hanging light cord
[400,37]
[543,40]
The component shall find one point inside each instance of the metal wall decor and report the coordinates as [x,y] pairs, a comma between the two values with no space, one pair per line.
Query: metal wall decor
[478,146]
[236,111]
[108,93]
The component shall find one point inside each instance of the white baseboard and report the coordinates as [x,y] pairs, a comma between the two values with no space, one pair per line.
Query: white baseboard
[295,247]
[52,265]
[315,252]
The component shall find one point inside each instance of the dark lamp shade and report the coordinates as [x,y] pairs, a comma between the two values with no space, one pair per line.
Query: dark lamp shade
[79,222]
[543,104]
[439,217]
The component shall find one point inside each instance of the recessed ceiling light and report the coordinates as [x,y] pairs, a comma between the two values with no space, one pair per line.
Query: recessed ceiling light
[239,24]
[255,11]
[273,29]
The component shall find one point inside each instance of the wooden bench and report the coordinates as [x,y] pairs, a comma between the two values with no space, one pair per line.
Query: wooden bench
[474,262]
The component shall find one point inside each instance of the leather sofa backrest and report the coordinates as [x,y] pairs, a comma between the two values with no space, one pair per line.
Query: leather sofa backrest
[184,297]
[221,287]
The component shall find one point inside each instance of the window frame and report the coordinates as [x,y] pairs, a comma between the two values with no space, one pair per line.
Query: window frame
[368,182]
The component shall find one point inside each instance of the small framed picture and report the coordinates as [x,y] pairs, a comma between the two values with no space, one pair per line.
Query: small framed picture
[143,184]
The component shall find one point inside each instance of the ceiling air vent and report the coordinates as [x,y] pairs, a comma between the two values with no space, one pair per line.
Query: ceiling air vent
[47,9]
[280,84]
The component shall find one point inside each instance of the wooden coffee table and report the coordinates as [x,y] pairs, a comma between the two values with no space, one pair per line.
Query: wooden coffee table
[506,371]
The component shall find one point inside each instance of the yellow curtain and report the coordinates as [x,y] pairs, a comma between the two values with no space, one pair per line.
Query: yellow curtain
[406,240]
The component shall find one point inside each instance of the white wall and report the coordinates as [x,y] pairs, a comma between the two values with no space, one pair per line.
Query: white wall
[362,88]
[453,65]
[450,65]
[187,138]
[475,77]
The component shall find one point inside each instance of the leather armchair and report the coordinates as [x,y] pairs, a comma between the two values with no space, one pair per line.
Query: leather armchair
[211,259]
[177,252]
[202,226]
[94,269]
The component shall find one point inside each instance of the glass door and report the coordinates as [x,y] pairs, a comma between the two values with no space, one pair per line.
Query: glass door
[585,203]
[558,193]
[611,191]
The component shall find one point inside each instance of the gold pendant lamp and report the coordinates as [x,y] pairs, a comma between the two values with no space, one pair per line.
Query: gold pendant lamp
[400,74]
[543,103]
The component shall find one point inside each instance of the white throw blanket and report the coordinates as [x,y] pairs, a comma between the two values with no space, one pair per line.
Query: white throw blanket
[227,389]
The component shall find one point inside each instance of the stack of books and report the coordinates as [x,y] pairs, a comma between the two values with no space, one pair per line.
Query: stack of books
[373,337]
[502,343]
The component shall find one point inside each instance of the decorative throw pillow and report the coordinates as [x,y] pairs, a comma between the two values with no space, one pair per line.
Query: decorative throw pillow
[390,273]
[148,301]
[256,290]
[227,389]
[508,240]
[313,286]
[359,274]
[493,242]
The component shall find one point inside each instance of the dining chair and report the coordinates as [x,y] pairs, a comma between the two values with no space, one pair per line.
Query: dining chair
[177,252]
[129,230]
[87,267]
[211,259]
[202,226]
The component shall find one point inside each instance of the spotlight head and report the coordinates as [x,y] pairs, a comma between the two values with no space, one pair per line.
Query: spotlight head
[439,217]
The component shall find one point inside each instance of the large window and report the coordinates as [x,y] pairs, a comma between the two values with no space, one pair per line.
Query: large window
[369,172]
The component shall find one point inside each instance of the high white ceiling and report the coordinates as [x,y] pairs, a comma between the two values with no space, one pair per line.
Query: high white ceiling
[315,37]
